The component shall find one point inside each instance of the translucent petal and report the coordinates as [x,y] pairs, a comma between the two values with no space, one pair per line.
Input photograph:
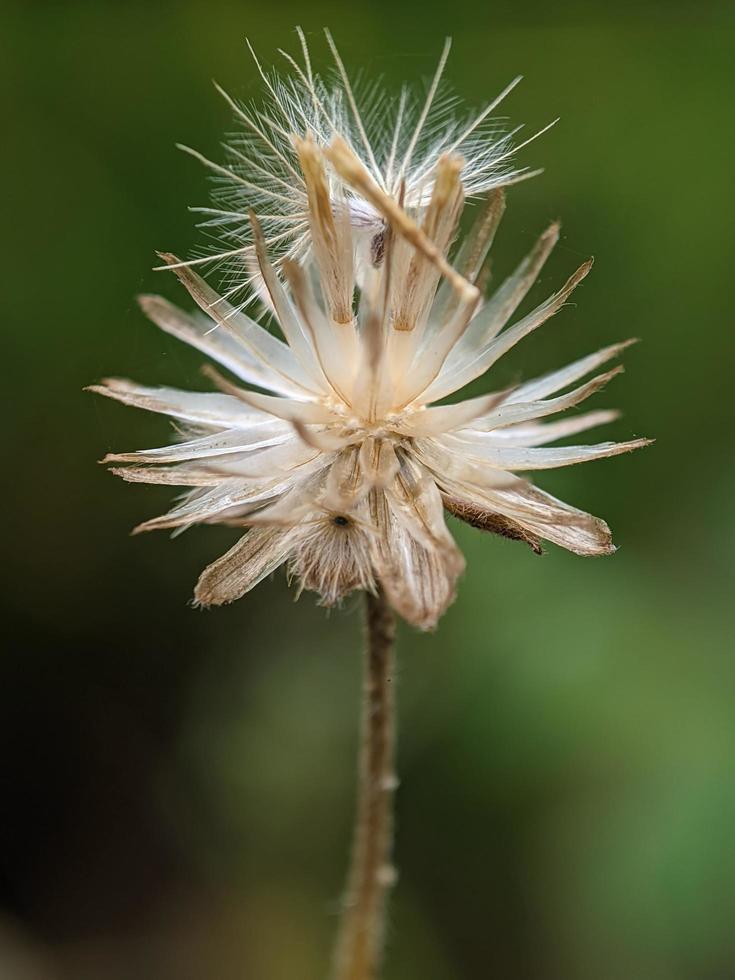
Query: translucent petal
[495,313]
[208,408]
[523,458]
[464,367]
[276,358]
[256,437]
[512,412]
[549,384]
[534,434]
[220,345]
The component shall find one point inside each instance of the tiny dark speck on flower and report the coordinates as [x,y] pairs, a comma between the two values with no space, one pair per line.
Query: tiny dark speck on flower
[377,249]
[340,520]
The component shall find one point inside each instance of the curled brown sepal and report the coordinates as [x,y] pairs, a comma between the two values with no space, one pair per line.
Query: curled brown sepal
[494,523]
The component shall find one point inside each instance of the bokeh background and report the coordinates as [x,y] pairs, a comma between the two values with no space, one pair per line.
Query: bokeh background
[177,787]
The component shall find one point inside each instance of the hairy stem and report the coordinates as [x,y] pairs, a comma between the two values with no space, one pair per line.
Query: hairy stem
[360,940]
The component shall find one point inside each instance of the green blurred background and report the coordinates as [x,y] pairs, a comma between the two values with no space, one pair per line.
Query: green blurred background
[177,787]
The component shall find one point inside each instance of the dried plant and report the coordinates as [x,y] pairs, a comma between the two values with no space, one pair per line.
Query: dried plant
[343,470]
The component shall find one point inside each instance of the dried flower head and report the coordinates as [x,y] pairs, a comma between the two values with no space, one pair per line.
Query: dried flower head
[344,469]
[398,141]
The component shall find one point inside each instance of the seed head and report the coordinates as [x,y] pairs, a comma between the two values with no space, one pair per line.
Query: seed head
[341,465]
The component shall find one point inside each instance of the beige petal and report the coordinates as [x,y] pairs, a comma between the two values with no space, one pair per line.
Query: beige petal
[478,242]
[253,558]
[415,557]
[209,504]
[512,411]
[415,286]
[488,520]
[171,476]
[418,581]
[541,516]
[378,462]
[331,237]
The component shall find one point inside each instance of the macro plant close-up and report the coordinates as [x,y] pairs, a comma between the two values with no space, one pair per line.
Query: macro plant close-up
[359,414]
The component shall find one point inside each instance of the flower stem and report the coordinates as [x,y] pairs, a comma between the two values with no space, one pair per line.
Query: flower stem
[360,941]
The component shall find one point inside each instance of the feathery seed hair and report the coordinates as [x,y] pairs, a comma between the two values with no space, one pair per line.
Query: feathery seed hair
[398,140]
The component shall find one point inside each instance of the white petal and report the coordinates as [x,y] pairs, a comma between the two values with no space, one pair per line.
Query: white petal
[257,436]
[444,418]
[513,412]
[452,462]
[335,344]
[430,360]
[208,408]
[291,458]
[288,319]
[285,373]
[234,494]
[331,238]
[523,459]
[288,409]
[540,434]
[221,345]
[204,505]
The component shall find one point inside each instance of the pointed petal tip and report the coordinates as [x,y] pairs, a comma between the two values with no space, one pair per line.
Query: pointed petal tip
[169,259]
[145,526]
[609,375]
[119,458]
[148,302]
